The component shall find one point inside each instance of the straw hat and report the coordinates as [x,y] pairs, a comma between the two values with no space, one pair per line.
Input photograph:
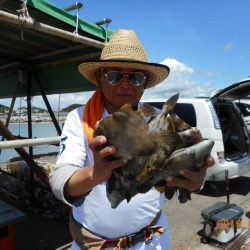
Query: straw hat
[124,50]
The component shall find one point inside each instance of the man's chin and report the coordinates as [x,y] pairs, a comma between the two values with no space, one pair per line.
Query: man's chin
[124,100]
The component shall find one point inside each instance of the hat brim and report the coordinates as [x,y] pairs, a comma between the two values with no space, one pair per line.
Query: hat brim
[156,72]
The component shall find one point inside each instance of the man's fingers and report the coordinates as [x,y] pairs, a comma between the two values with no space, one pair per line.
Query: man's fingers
[181,182]
[196,176]
[97,124]
[117,163]
[209,161]
[109,150]
[190,180]
[96,142]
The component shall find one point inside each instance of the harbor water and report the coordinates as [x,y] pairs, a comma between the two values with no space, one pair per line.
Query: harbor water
[39,130]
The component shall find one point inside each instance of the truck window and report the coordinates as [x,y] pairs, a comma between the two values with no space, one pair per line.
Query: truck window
[186,112]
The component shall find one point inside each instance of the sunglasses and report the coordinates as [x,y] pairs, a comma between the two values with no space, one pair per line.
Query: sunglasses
[115,77]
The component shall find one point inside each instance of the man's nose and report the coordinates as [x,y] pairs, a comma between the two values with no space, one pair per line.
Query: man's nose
[125,82]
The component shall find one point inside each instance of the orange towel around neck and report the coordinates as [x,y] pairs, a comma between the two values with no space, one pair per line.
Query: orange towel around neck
[92,113]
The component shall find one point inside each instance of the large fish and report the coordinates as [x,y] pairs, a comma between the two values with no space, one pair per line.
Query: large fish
[127,130]
[175,146]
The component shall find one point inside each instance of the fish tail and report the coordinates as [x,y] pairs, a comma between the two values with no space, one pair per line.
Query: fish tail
[170,103]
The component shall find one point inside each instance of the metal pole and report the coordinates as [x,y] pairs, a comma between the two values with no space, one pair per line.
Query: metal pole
[22,152]
[12,104]
[74,6]
[29,142]
[32,24]
[52,115]
[11,108]
[28,89]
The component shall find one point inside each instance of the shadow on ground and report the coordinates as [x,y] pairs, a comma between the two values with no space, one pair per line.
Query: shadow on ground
[240,186]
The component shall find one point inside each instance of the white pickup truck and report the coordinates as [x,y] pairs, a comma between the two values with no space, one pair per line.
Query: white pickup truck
[220,119]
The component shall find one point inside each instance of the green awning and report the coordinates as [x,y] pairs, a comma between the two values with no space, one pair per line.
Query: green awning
[52,56]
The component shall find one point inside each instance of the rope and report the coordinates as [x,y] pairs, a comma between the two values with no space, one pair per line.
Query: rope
[77,21]
[23,12]
[78,6]
[106,31]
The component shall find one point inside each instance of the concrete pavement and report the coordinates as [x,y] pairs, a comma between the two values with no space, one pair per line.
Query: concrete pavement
[185,219]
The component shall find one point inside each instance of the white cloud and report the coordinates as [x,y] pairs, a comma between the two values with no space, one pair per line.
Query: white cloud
[228,46]
[59,102]
[179,81]
[211,73]
[56,102]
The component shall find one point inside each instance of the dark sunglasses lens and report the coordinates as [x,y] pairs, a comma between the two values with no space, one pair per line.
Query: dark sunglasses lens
[113,77]
[137,78]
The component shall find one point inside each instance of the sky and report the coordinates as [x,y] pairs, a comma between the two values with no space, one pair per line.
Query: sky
[206,44]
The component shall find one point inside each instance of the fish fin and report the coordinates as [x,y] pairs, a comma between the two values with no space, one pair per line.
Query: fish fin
[170,103]
[110,186]
[144,171]
[180,125]
[144,187]
[171,125]
[125,183]
[160,186]
[160,189]
[184,195]
[169,192]
[147,110]
[170,138]
[150,148]
[126,107]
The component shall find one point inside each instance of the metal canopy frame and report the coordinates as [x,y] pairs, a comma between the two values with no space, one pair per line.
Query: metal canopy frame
[39,54]
[47,40]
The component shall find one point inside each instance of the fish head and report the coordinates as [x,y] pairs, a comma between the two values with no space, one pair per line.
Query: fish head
[190,137]
[127,130]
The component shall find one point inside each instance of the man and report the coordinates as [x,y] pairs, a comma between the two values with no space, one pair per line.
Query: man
[82,169]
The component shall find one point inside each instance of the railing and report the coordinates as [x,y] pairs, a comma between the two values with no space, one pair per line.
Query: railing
[29,142]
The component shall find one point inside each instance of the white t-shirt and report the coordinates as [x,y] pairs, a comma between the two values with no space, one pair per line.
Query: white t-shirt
[95,212]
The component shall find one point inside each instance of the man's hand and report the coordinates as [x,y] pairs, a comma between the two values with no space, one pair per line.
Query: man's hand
[193,179]
[103,166]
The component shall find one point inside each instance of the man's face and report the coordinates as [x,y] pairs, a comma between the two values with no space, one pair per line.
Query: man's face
[120,86]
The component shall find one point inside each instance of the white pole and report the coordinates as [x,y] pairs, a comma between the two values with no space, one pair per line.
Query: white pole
[29,142]
[31,23]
